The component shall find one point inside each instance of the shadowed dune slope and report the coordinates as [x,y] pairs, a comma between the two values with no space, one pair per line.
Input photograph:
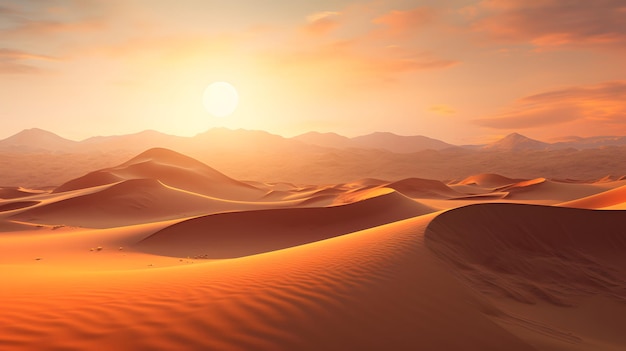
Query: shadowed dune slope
[16,205]
[531,252]
[92,179]
[14,193]
[128,202]
[608,198]
[170,168]
[240,234]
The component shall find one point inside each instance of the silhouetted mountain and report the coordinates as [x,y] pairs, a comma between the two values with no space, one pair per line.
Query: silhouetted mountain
[36,139]
[136,142]
[379,140]
[333,140]
[398,143]
[516,142]
[261,156]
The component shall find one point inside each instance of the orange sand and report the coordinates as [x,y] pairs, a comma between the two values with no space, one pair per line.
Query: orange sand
[164,252]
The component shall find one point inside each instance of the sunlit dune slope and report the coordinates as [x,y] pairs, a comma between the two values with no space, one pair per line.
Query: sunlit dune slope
[376,289]
[127,202]
[170,168]
[613,198]
[245,233]
[545,189]
[533,253]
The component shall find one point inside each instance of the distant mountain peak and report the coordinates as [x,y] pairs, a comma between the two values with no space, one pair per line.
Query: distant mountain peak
[36,139]
[516,141]
[327,139]
[35,132]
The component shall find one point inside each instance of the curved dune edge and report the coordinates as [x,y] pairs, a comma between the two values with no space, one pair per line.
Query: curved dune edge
[532,253]
[380,288]
[129,202]
[237,234]
[545,189]
[488,180]
[610,198]
[17,192]
[170,168]
[423,188]
[16,205]
[375,289]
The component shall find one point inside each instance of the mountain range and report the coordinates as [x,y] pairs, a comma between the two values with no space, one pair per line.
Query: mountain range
[38,140]
[39,158]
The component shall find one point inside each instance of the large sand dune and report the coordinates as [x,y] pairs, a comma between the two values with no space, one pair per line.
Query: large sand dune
[614,198]
[538,252]
[170,168]
[174,255]
[129,202]
[238,234]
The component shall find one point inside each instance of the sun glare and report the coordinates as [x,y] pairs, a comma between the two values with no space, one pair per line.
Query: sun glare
[220,99]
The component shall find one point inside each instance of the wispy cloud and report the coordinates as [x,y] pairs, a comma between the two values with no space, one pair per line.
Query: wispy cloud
[443,110]
[402,23]
[318,16]
[45,27]
[321,23]
[16,62]
[599,104]
[553,23]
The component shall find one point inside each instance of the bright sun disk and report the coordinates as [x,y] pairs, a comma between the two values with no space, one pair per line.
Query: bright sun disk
[220,99]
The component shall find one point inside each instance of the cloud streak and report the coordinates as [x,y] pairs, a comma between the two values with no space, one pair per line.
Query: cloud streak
[603,104]
[12,62]
[404,23]
[554,23]
[321,23]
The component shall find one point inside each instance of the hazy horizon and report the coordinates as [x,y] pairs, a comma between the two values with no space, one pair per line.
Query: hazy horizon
[467,72]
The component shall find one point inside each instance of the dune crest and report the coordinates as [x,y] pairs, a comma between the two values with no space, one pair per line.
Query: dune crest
[423,188]
[170,168]
[614,198]
[237,234]
[488,180]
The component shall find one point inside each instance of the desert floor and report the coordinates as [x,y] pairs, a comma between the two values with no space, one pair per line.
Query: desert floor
[164,252]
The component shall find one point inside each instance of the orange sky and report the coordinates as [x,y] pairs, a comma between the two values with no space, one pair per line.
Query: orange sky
[460,71]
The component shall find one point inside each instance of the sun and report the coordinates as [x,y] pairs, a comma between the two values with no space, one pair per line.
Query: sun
[220,99]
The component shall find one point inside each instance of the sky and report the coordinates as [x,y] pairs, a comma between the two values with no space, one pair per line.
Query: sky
[457,70]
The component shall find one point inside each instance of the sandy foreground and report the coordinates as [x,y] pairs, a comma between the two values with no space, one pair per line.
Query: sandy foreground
[164,252]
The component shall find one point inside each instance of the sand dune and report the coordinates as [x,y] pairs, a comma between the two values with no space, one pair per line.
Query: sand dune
[366,183]
[16,192]
[129,202]
[541,188]
[423,188]
[556,274]
[488,180]
[223,235]
[170,168]
[531,252]
[376,289]
[164,252]
[609,199]
[10,206]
